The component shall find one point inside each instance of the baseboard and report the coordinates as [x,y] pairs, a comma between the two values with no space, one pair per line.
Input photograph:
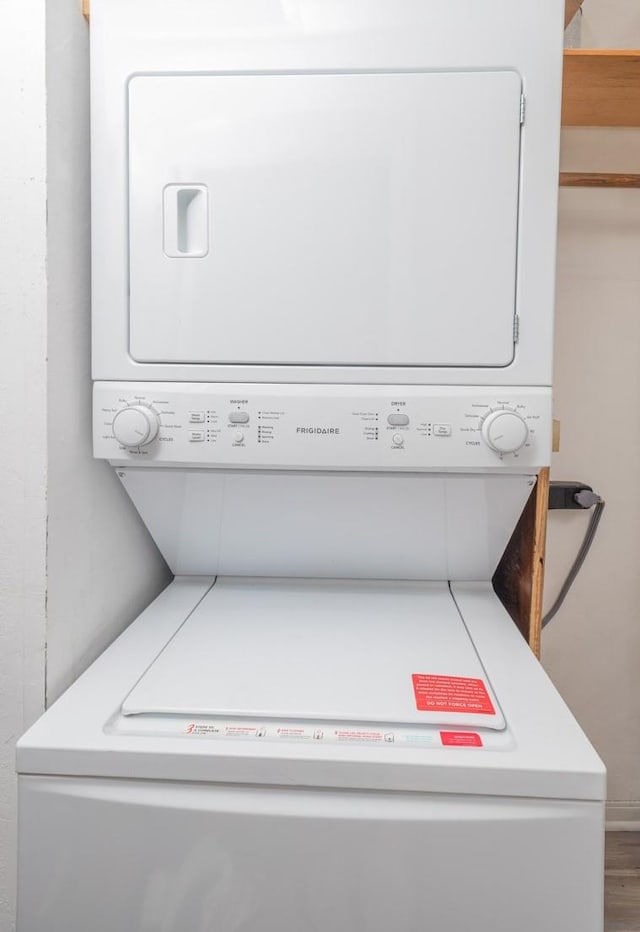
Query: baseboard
[623,816]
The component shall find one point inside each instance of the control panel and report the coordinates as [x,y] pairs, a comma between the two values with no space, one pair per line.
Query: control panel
[322,426]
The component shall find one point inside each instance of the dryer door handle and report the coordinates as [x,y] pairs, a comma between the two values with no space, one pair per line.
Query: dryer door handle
[185,217]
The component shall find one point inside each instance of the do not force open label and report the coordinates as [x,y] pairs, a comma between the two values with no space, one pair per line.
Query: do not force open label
[451,694]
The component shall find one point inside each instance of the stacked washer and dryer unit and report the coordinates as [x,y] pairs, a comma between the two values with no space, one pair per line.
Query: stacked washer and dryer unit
[323,241]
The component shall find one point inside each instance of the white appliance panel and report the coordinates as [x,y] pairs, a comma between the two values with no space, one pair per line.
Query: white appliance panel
[313,46]
[330,525]
[194,857]
[348,653]
[324,219]
[395,428]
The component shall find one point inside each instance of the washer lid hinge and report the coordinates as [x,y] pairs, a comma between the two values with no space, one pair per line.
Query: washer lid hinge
[523,104]
[516,329]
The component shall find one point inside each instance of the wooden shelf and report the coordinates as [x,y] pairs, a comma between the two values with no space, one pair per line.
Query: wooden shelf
[601,87]
[598,180]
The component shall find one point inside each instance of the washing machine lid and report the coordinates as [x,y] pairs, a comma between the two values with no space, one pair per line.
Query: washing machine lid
[310,650]
[542,753]
[358,219]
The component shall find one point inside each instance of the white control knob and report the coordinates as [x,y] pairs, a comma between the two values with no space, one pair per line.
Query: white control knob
[504,431]
[135,426]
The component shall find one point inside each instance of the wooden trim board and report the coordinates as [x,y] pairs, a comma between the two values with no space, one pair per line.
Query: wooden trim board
[519,578]
[598,180]
[601,87]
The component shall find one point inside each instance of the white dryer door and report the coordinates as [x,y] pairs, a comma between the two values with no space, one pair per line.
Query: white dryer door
[324,219]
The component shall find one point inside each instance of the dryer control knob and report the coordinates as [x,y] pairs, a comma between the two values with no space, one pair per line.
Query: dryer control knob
[135,426]
[504,431]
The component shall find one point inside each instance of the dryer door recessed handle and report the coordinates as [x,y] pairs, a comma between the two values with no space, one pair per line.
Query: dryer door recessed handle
[185,221]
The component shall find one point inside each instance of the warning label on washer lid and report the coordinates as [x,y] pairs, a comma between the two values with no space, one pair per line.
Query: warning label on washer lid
[462,694]
[460,739]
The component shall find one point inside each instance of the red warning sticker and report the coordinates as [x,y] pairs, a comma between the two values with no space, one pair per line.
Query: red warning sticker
[461,739]
[451,694]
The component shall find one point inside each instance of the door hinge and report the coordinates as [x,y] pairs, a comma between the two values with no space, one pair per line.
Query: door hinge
[523,105]
[516,329]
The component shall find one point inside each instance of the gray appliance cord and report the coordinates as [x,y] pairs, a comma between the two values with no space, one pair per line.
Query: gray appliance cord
[586,500]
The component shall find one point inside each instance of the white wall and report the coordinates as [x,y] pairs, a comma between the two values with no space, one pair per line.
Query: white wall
[103,567]
[76,564]
[610,24]
[23,400]
[592,649]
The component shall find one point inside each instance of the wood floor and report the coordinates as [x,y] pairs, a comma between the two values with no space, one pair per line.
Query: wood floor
[622,882]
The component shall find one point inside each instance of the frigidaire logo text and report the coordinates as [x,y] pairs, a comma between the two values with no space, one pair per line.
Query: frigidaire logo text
[317,430]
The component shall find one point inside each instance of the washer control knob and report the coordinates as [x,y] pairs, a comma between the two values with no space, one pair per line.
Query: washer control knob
[397,440]
[504,431]
[135,426]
